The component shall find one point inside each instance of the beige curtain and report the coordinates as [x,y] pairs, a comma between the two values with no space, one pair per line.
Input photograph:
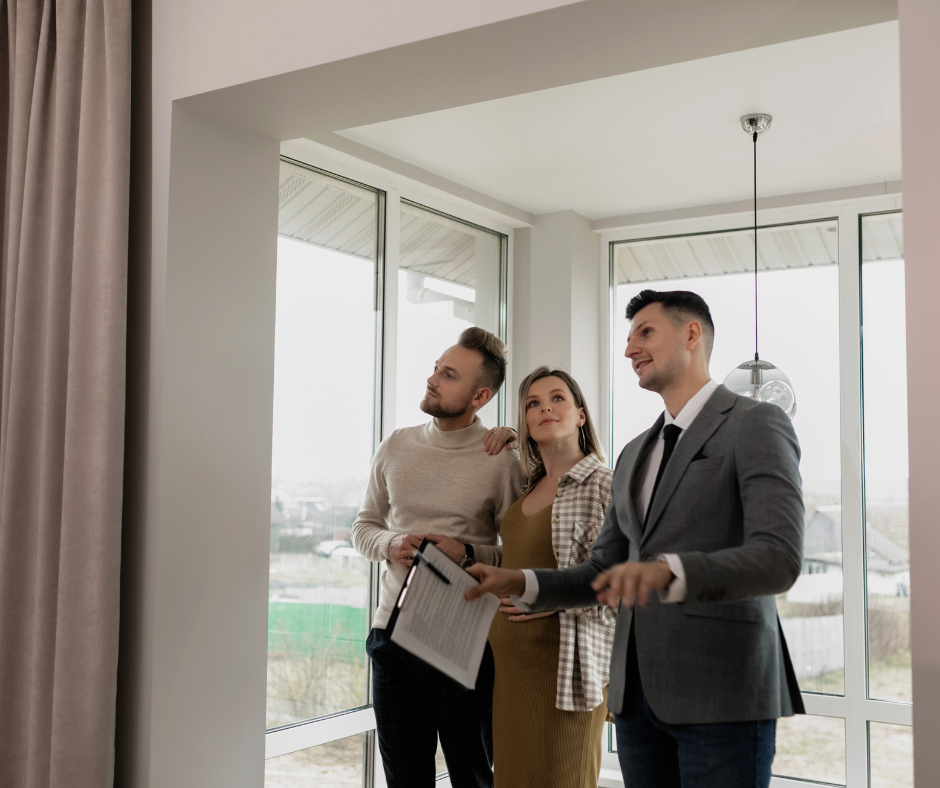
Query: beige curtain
[64,110]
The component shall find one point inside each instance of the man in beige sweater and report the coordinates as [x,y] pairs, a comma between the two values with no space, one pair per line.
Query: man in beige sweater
[437,481]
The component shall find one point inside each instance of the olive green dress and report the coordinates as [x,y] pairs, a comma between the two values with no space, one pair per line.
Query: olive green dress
[534,743]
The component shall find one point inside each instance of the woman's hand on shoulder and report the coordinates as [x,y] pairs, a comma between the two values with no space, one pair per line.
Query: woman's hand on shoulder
[497,438]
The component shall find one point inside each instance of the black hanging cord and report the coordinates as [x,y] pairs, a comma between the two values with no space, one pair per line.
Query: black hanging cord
[756,357]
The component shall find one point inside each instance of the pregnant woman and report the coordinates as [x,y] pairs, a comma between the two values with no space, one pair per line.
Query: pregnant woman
[550,693]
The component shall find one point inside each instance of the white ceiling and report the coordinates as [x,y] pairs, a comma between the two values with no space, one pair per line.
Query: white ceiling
[670,137]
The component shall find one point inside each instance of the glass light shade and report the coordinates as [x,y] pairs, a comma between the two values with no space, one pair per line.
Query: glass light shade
[762,381]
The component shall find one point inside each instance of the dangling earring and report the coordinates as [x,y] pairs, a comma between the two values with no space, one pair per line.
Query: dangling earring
[582,440]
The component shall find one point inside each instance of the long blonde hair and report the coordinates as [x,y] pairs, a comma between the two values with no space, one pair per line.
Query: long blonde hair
[532,464]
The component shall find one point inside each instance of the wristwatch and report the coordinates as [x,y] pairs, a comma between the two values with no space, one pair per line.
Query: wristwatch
[468,559]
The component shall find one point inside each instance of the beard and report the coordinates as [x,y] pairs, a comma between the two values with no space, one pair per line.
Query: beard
[437,409]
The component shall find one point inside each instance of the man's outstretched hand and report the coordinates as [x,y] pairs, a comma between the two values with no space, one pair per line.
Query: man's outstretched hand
[493,580]
[631,582]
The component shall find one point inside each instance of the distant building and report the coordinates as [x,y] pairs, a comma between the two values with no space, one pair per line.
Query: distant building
[347,559]
[301,522]
[886,544]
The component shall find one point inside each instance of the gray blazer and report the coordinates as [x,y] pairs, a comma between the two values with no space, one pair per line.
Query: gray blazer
[730,505]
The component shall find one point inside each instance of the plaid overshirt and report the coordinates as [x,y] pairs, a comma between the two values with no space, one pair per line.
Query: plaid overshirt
[587,634]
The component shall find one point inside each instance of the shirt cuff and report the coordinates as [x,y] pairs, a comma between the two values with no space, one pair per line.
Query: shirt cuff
[531,593]
[677,588]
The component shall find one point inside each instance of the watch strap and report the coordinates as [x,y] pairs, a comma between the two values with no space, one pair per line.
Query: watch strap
[469,558]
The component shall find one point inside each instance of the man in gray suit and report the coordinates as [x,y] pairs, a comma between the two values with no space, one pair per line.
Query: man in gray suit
[706,525]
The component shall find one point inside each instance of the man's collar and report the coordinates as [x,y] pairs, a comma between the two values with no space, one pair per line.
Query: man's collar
[693,407]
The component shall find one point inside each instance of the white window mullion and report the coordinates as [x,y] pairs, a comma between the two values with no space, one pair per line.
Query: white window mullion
[853,516]
[890,713]
[608,300]
[789,782]
[312,734]
[390,351]
[825,705]
[506,312]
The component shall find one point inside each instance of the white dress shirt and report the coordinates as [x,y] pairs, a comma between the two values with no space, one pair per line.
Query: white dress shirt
[642,495]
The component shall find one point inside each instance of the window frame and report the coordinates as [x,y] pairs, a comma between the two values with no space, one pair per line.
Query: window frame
[855,707]
[390,193]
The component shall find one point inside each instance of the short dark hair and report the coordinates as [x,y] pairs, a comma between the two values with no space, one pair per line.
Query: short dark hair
[491,347]
[680,305]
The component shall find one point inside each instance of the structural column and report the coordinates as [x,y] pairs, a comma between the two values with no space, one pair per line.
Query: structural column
[559,317]
[920,117]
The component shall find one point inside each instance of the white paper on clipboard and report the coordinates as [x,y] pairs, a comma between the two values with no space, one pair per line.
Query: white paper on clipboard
[436,624]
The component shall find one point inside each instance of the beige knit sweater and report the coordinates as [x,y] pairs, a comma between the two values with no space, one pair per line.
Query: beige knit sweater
[425,481]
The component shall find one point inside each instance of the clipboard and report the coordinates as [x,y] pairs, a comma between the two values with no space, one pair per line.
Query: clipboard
[432,620]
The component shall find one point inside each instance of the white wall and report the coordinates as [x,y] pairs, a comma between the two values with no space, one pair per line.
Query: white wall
[209,559]
[210,44]
[920,119]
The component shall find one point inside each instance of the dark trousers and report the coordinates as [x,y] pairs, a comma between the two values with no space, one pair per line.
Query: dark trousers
[655,754]
[415,703]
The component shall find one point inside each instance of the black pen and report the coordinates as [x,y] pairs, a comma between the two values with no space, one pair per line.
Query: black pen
[438,572]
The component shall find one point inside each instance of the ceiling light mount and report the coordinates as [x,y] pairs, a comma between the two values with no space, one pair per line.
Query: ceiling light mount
[756,122]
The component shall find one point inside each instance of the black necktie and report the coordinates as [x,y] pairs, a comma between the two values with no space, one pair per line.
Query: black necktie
[670,436]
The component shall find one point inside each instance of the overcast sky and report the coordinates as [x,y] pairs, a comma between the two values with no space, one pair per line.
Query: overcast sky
[325,364]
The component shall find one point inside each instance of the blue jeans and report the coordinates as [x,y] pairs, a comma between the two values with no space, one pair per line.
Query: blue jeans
[655,754]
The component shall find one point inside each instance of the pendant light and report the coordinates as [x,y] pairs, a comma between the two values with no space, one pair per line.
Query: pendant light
[756,378]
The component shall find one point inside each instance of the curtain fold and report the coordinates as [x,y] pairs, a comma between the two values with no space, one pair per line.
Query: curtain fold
[65,112]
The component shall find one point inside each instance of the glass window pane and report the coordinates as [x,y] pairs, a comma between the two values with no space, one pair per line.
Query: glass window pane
[799,333]
[448,280]
[885,423]
[338,764]
[811,748]
[318,607]
[891,755]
